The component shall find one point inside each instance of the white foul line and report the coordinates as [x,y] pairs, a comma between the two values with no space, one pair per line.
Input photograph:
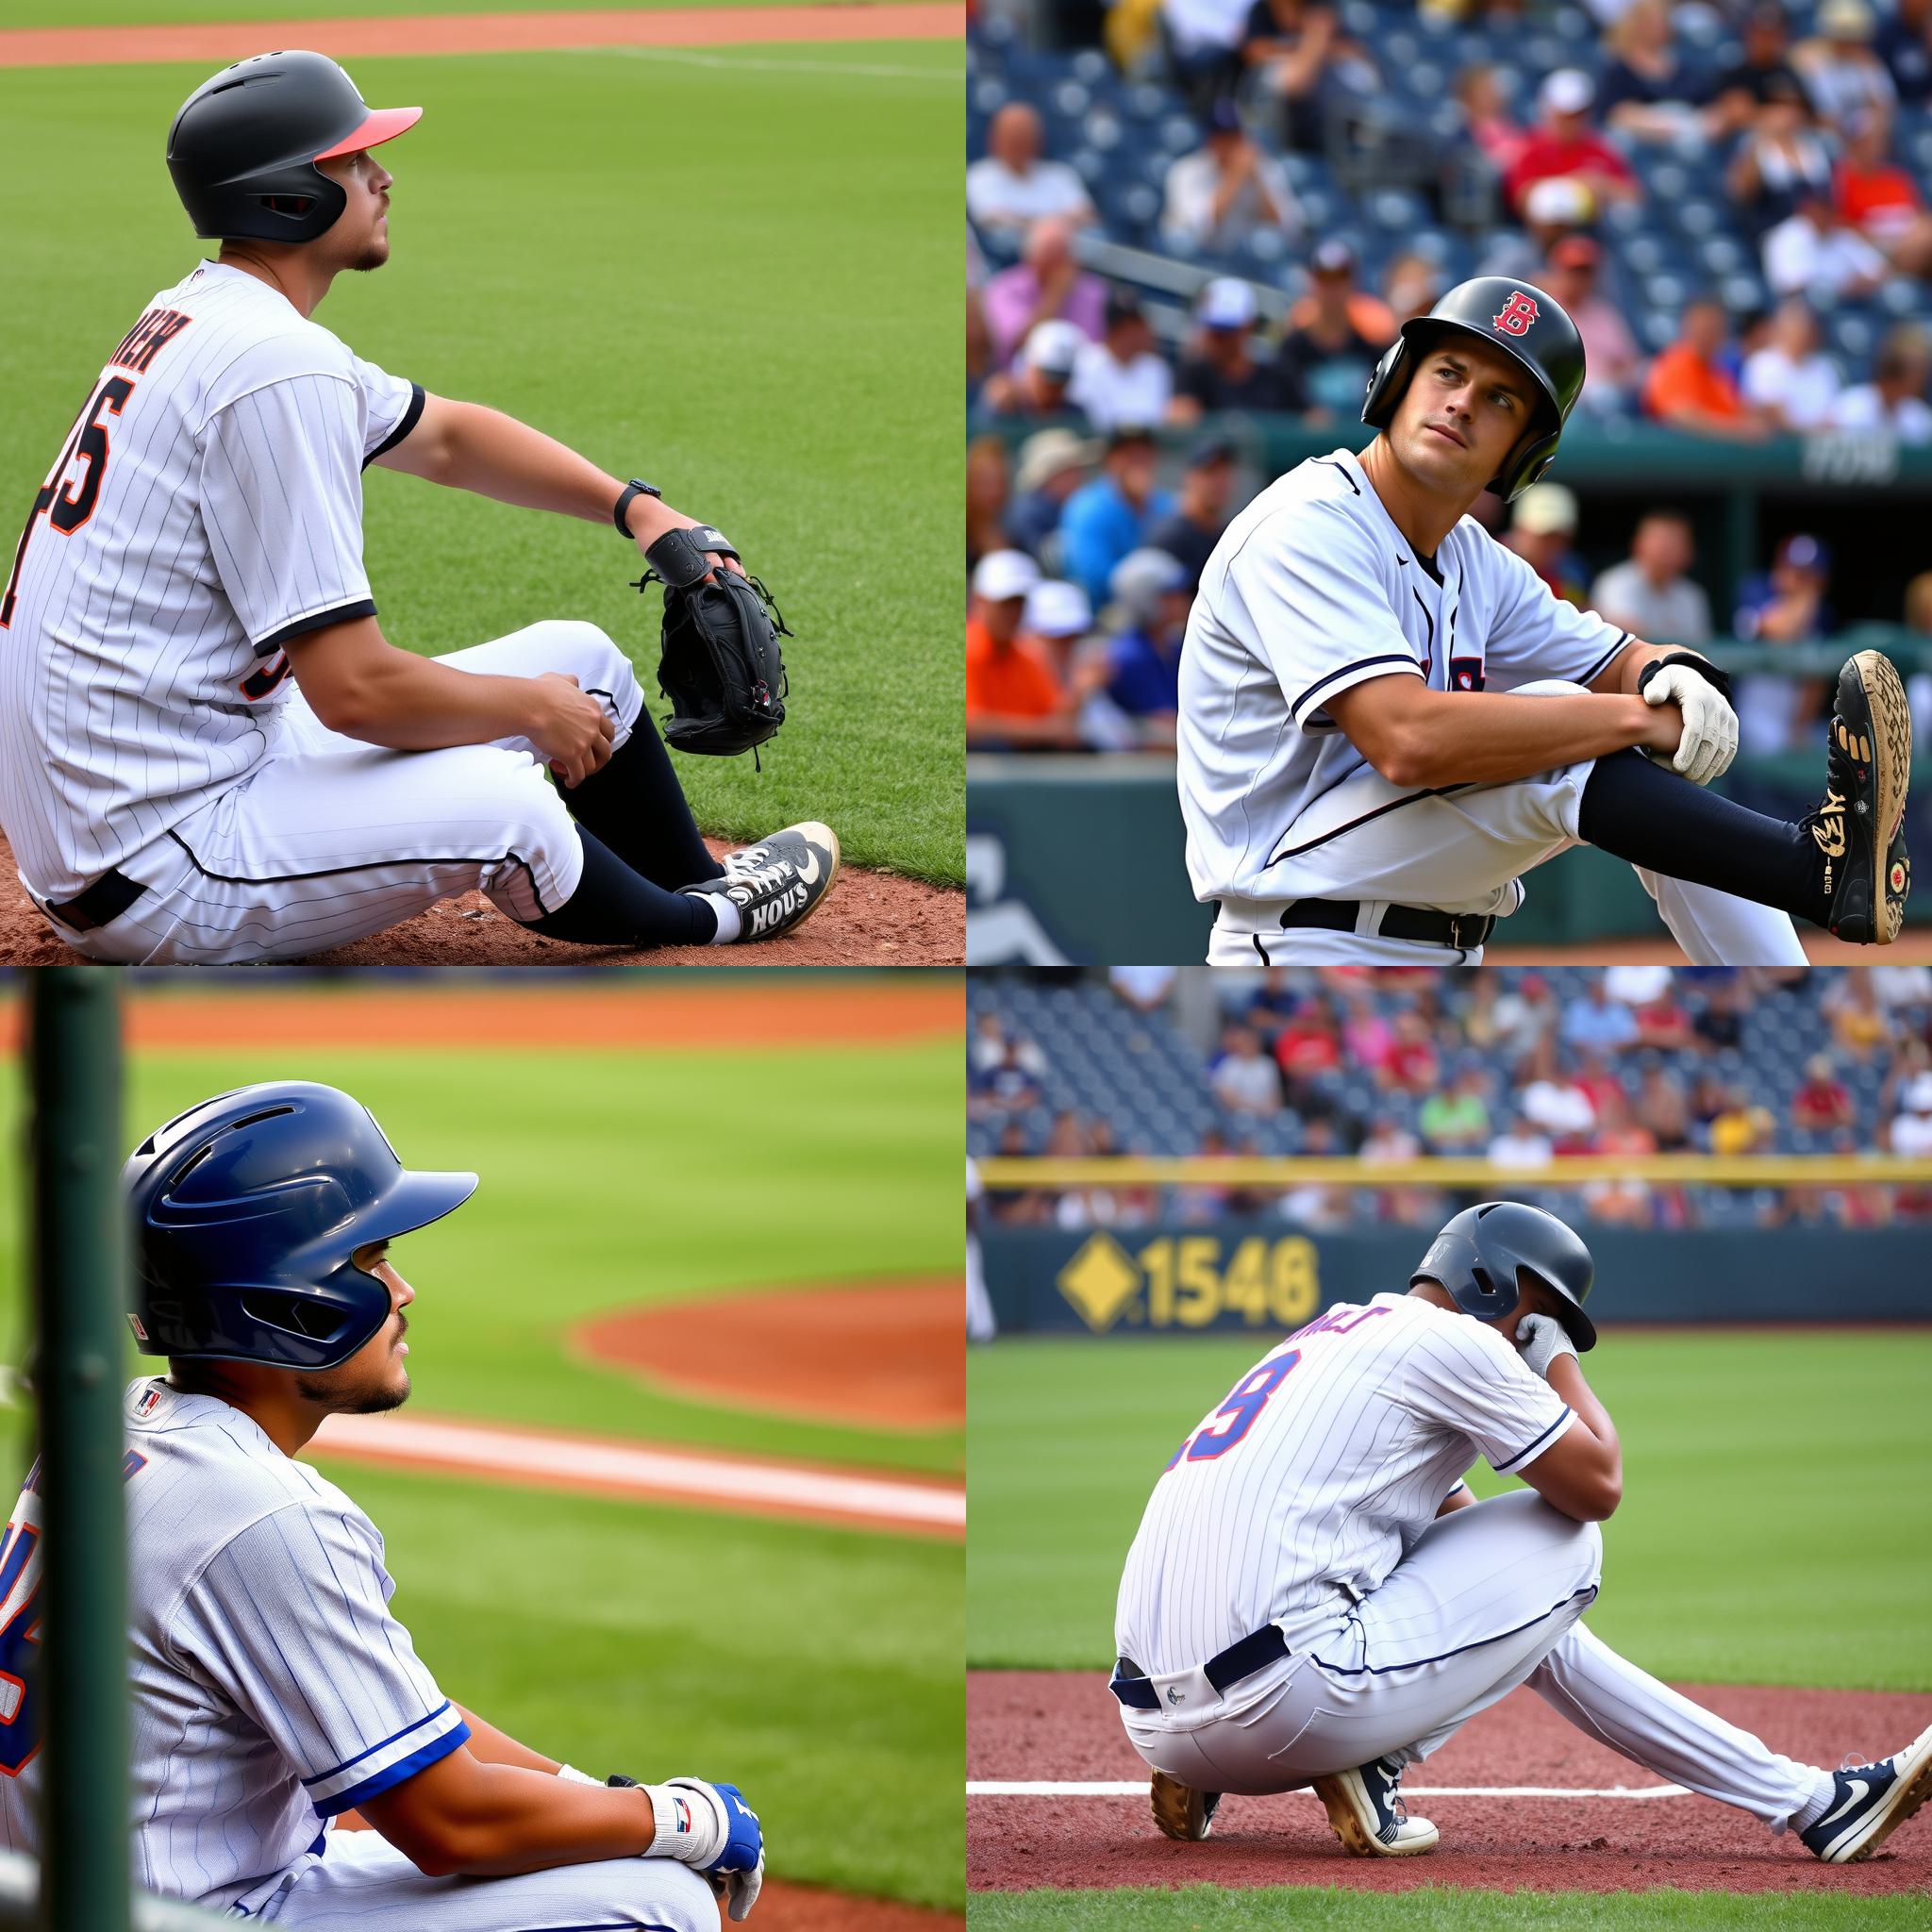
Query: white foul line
[1137,1787]
[876,70]
[661,1475]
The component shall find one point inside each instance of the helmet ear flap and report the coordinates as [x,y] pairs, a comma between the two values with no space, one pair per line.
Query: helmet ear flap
[1386,385]
[1527,466]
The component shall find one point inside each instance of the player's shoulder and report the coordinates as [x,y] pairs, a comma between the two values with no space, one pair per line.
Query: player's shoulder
[1461,1335]
[1318,511]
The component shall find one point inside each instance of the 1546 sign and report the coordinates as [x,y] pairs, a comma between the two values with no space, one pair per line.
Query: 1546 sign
[1193,1281]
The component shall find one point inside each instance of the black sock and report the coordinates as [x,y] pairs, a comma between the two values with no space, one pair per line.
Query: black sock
[615,907]
[1647,814]
[637,807]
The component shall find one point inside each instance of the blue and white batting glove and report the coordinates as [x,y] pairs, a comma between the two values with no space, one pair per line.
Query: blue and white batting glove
[711,1828]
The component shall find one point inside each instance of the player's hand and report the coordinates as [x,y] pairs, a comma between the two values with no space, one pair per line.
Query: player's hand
[1540,1340]
[572,731]
[712,1829]
[1709,738]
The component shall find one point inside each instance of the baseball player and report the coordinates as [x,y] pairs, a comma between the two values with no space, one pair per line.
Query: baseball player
[275,1692]
[1315,1598]
[1387,718]
[213,752]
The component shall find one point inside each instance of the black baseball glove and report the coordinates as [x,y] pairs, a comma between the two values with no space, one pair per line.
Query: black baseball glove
[722,668]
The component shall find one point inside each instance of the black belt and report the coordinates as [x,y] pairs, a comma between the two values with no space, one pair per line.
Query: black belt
[1129,1681]
[1463,930]
[109,897]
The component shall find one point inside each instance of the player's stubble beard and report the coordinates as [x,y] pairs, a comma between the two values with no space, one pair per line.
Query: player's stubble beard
[356,1388]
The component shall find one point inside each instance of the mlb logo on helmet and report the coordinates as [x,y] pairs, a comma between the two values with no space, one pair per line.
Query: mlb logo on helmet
[1516,314]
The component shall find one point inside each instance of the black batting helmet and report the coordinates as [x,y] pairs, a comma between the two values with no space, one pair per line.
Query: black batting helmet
[1518,319]
[1482,1255]
[244,148]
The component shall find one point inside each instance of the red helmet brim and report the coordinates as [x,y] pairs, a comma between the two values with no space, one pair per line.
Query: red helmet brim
[384,124]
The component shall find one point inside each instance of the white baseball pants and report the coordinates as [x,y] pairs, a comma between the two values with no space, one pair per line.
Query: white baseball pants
[331,838]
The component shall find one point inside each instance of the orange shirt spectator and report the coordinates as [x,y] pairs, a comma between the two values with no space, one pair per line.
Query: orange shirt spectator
[1009,680]
[1680,379]
[1876,199]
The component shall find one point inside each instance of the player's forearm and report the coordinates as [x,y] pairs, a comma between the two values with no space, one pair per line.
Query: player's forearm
[1621,674]
[498,1747]
[1566,1379]
[407,703]
[1491,737]
[516,1820]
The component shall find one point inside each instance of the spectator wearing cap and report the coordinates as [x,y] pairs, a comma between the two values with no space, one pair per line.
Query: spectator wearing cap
[1564,142]
[1644,90]
[1894,400]
[1542,531]
[1012,696]
[1306,64]
[1053,464]
[1786,604]
[1012,185]
[1814,251]
[1191,533]
[1880,199]
[1037,385]
[1123,377]
[1553,210]
[1650,594]
[1789,378]
[1781,158]
[1046,284]
[1056,618]
[986,497]
[1609,350]
[1743,87]
[1150,597]
[1821,1101]
[1337,333]
[1688,387]
[1841,69]
[1220,369]
[1111,515]
[1226,188]
[1903,43]
[1911,1127]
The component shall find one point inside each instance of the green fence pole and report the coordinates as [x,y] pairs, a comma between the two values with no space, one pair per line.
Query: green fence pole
[80,1292]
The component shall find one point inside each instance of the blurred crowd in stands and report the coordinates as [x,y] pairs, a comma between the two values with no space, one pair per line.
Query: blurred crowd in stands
[1726,200]
[1520,1069]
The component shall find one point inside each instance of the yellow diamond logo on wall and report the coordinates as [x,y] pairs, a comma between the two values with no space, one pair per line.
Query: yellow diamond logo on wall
[1101,1281]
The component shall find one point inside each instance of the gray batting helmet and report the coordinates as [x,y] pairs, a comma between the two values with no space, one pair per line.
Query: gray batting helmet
[1482,1255]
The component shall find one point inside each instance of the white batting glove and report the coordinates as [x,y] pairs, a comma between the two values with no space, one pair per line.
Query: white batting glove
[1540,1340]
[1710,726]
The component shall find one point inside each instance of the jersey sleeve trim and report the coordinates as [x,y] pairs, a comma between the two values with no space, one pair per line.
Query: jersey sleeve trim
[1607,659]
[411,416]
[1531,1450]
[336,613]
[1332,683]
[373,1770]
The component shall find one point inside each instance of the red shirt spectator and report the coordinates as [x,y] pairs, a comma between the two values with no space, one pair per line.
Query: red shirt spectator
[1564,142]
[1664,1023]
[1307,1045]
[1822,1102]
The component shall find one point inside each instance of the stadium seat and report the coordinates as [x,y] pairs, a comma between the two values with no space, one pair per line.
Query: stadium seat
[989,97]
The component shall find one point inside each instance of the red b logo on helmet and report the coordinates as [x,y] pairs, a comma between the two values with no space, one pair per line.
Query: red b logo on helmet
[1518,313]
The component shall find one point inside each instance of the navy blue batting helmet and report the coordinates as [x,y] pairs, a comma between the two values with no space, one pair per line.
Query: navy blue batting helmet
[1482,1255]
[247,1210]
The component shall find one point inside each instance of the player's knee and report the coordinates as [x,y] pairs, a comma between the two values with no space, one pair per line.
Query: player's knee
[680,1899]
[535,819]
[591,656]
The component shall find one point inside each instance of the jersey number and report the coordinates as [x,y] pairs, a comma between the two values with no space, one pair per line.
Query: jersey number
[20,1588]
[1242,1410]
[68,509]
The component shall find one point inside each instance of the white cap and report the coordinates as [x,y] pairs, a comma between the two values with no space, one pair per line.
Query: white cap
[1566,92]
[1917,1093]
[1560,201]
[1846,20]
[1543,507]
[1052,347]
[1004,574]
[1056,609]
[1227,301]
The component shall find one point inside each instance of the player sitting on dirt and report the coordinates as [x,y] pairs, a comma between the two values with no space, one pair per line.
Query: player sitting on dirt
[1314,1597]
[273,1689]
[216,756]
[1387,718]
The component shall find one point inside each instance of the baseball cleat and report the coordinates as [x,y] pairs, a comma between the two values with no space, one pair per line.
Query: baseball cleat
[1180,1811]
[777,885]
[1366,1810]
[1867,1801]
[1860,826]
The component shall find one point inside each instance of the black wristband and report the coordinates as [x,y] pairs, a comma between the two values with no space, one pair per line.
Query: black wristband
[631,489]
[617,1777]
[1717,680]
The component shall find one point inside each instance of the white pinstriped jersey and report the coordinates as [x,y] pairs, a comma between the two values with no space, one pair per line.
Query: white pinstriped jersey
[272,1687]
[1312,589]
[206,507]
[1301,1491]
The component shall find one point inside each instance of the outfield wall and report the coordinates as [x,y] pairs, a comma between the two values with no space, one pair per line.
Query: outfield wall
[1264,1275]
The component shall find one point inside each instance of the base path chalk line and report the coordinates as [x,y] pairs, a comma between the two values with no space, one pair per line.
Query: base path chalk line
[1047,1787]
[646,1474]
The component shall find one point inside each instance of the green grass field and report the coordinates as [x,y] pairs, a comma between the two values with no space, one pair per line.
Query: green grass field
[806,1663]
[733,272]
[154,12]
[1757,1543]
